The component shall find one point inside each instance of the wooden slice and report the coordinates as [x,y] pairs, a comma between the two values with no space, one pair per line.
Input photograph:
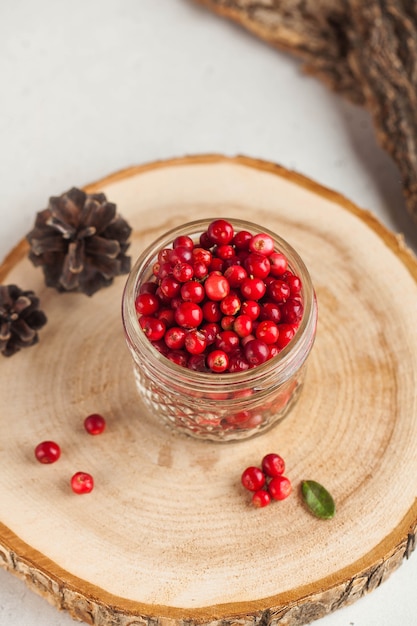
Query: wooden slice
[168,533]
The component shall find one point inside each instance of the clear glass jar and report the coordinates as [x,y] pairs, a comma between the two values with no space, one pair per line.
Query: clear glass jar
[227,406]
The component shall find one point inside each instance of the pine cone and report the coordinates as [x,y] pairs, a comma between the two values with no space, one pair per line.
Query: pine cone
[80,242]
[20,319]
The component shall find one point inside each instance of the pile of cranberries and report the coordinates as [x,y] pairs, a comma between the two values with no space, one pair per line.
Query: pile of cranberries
[268,481]
[48,452]
[225,303]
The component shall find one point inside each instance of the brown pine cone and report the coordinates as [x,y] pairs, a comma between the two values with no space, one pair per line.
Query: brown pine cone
[80,242]
[20,319]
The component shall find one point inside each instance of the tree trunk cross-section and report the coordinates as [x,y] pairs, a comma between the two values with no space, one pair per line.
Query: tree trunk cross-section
[367,51]
[168,536]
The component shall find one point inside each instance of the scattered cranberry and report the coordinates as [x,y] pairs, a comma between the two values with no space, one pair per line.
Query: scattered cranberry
[273,465]
[94,424]
[261,498]
[228,298]
[82,482]
[279,487]
[47,452]
[253,478]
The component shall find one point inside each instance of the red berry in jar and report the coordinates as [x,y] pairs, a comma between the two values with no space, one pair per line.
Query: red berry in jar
[220,232]
[94,424]
[82,482]
[279,487]
[253,478]
[47,452]
[216,286]
[188,315]
[273,465]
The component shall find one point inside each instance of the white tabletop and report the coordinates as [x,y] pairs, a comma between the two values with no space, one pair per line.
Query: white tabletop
[92,86]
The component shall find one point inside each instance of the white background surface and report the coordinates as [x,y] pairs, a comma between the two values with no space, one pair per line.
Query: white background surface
[92,86]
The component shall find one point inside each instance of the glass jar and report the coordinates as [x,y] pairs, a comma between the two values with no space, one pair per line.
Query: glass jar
[226,406]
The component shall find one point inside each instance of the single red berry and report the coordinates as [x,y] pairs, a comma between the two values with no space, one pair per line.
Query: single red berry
[146,304]
[193,291]
[220,232]
[188,315]
[257,265]
[279,264]
[227,340]
[153,328]
[242,325]
[201,255]
[217,361]
[94,424]
[235,274]
[200,270]
[270,311]
[181,254]
[184,241]
[224,252]
[262,243]
[261,498]
[241,240]
[195,341]
[286,333]
[294,283]
[278,290]
[175,337]
[256,352]
[253,288]
[211,311]
[230,305]
[251,308]
[211,330]
[227,322]
[279,487]
[164,255]
[183,272]
[170,287]
[216,286]
[267,331]
[273,465]
[292,311]
[47,452]
[253,478]
[166,316]
[82,482]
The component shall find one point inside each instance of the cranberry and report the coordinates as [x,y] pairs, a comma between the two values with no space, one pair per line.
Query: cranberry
[270,311]
[273,465]
[217,361]
[253,478]
[146,304]
[82,482]
[178,357]
[241,240]
[211,330]
[250,308]
[235,274]
[257,265]
[211,311]
[256,352]
[278,263]
[294,283]
[261,498]
[188,315]
[230,305]
[253,288]
[220,232]
[181,254]
[47,452]
[262,243]
[153,328]
[201,255]
[175,337]
[195,341]
[268,331]
[167,316]
[227,322]
[237,362]
[279,487]
[192,291]
[292,311]
[227,340]
[94,424]
[225,252]
[216,286]
[183,272]
[278,290]
[243,325]
[184,241]
[286,333]
[200,270]
[148,287]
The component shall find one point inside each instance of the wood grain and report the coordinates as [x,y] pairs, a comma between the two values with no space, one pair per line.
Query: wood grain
[168,535]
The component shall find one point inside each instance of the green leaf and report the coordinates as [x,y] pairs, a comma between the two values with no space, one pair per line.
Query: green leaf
[318,499]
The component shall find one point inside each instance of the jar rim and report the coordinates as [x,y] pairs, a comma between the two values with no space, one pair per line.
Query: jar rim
[287,360]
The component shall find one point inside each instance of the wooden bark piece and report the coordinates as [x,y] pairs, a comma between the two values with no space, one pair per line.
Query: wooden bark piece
[383,56]
[316,31]
[168,535]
